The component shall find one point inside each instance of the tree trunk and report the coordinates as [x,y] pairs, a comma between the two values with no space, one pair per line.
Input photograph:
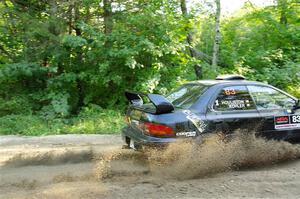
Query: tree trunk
[108,21]
[283,6]
[76,20]
[80,84]
[217,41]
[189,38]
[53,8]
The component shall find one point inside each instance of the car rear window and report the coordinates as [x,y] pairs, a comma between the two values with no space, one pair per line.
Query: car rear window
[186,95]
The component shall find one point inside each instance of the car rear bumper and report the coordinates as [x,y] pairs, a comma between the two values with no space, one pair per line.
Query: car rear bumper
[142,139]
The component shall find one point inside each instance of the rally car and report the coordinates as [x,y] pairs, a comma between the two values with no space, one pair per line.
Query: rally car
[223,105]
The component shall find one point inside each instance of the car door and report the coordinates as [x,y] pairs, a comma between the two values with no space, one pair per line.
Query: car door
[232,108]
[275,108]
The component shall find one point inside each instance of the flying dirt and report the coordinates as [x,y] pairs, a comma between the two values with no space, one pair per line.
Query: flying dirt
[95,166]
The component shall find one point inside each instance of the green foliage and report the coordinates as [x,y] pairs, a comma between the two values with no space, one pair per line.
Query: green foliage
[22,125]
[91,120]
[75,63]
[73,41]
[15,105]
[94,119]
[257,44]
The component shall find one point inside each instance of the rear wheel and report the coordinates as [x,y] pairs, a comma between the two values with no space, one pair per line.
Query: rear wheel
[127,143]
[130,144]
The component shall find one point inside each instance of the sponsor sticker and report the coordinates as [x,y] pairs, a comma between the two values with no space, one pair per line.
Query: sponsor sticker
[186,134]
[233,104]
[282,120]
[196,120]
[287,122]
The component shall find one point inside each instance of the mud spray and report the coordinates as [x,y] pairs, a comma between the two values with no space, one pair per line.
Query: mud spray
[186,159]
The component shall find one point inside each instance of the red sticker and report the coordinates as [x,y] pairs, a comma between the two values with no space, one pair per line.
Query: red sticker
[281,119]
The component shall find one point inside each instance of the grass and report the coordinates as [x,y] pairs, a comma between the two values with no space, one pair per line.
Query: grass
[91,120]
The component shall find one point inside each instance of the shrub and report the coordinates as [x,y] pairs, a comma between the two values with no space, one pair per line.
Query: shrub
[94,119]
[91,120]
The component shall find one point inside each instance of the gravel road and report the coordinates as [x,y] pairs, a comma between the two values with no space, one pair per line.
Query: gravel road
[95,166]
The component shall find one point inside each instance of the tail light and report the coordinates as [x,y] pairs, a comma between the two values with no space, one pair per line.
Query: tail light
[158,130]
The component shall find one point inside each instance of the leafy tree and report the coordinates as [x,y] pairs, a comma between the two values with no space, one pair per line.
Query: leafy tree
[79,52]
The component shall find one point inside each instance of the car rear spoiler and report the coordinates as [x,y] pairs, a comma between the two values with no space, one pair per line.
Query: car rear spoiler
[162,105]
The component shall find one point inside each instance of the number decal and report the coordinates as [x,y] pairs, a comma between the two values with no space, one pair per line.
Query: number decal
[217,103]
[230,91]
[296,119]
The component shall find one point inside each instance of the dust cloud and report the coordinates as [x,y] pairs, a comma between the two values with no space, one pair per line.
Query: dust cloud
[183,167]
[189,159]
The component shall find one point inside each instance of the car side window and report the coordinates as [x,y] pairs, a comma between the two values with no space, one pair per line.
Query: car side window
[269,98]
[234,98]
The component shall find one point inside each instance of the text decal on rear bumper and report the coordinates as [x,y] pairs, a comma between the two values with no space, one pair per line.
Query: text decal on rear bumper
[186,134]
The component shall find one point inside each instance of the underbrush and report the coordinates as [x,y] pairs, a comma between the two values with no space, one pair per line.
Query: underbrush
[91,120]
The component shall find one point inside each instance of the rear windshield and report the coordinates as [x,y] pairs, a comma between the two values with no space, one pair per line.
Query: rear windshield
[186,95]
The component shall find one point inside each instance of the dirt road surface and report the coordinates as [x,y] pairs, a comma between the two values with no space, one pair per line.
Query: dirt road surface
[95,166]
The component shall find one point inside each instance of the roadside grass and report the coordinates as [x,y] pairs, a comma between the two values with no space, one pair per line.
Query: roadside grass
[89,121]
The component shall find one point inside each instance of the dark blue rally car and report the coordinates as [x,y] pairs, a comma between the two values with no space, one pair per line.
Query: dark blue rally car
[223,105]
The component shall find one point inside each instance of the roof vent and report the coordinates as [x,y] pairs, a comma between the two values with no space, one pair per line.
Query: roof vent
[230,77]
